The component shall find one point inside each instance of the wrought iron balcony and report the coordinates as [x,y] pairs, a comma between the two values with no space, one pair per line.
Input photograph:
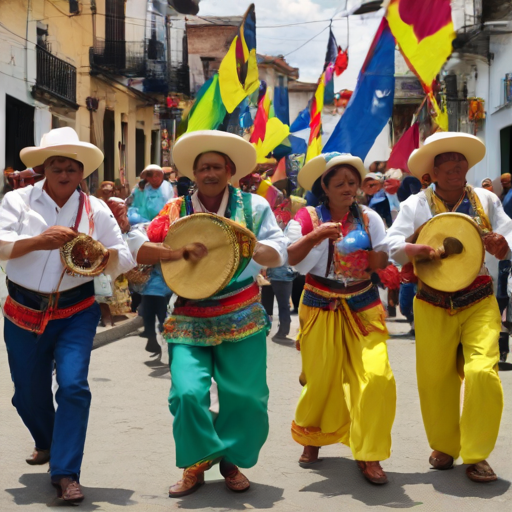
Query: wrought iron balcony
[55,76]
[126,58]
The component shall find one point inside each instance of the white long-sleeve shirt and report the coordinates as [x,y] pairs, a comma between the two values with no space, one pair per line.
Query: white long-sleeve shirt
[27,212]
[415,211]
[316,261]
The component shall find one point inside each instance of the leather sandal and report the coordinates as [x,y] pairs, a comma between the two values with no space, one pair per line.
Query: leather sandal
[373,472]
[38,457]
[193,478]
[236,481]
[440,460]
[481,472]
[69,490]
[309,456]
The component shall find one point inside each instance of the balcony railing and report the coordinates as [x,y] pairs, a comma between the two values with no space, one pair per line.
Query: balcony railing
[55,75]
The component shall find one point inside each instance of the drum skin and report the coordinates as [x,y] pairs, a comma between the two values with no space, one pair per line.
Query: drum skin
[226,255]
[457,271]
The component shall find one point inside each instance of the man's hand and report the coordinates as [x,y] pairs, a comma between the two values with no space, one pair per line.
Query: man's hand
[327,230]
[419,252]
[194,252]
[496,245]
[54,238]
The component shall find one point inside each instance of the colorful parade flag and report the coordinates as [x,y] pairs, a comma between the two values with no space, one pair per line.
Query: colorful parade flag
[424,31]
[276,131]
[371,104]
[208,111]
[315,124]
[329,68]
[302,121]
[262,114]
[238,71]
[402,150]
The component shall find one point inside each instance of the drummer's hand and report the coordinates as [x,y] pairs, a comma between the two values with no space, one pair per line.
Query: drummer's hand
[327,230]
[194,252]
[54,238]
[496,245]
[419,252]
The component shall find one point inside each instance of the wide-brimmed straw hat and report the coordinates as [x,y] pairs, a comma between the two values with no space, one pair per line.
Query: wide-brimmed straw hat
[150,168]
[63,142]
[319,165]
[421,161]
[191,145]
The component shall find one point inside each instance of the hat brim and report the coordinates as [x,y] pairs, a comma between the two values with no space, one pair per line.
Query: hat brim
[421,161]
[191,145]
[318,166]
[88,154]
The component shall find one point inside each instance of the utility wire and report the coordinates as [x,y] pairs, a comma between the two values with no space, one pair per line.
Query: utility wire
[309,40]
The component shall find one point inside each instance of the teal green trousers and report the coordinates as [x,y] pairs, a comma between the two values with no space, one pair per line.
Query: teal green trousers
[241,428]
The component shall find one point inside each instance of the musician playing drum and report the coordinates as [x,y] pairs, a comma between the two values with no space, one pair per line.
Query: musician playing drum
[456,326]
[223,336]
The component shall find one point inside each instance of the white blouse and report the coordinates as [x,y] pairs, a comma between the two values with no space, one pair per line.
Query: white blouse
[316,261]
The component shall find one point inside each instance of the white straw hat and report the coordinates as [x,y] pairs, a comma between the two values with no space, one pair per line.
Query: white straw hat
[63,142]
[319,165]
[150,168]
[191,145]
[421,161]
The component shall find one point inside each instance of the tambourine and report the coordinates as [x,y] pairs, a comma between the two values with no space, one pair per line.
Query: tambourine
[84,256]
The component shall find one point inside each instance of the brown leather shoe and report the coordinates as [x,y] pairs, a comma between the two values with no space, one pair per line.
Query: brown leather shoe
[236,481]
[373,472]
[440,460]
[193,478]
[309,456]
[69,490]
[481,472]
[38,457]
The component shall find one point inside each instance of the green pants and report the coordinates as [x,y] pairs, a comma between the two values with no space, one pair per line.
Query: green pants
[241,428]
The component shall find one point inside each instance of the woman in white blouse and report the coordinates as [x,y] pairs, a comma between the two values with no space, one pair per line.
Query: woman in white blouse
[349,393]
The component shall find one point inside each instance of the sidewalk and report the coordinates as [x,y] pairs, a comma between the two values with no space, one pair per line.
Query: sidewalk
[129,454]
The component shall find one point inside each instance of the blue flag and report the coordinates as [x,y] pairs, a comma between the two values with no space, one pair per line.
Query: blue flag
[302,121]
[371,105]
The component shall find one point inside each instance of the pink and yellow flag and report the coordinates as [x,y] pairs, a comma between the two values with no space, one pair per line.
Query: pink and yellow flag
[424,31]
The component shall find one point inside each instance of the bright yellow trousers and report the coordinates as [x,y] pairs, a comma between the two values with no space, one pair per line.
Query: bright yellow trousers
[472,434]
[350,392]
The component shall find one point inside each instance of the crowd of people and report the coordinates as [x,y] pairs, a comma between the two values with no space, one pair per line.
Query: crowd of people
[329,245]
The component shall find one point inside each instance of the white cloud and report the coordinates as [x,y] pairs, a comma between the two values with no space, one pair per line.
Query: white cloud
[283,40]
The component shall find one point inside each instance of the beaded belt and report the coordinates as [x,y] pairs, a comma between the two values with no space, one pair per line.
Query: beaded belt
[34,320]
[217,306]
[479,290]
[318,295]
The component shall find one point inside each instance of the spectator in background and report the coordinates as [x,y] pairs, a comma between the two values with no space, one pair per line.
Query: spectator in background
[281,282]
[487,184]
[506,183]
[106,190]
[148,202]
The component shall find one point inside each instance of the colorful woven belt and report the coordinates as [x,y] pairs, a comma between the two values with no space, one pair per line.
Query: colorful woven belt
[479,290]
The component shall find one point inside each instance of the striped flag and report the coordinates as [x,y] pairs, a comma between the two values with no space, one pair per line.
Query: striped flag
[238,71]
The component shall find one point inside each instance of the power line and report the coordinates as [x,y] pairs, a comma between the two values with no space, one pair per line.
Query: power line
[298,23]
[314,37]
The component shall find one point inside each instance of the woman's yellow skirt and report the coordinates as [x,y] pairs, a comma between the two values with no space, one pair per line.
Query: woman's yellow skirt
[349,394]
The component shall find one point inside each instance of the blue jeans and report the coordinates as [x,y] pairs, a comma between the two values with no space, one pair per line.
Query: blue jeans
[68,344]
[406,298]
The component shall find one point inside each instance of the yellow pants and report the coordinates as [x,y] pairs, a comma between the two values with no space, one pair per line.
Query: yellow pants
[350,392]
[473,434]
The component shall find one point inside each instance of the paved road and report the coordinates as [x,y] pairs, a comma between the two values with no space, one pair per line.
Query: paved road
[129,455]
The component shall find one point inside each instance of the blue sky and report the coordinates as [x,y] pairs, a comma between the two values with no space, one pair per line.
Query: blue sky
[287,40]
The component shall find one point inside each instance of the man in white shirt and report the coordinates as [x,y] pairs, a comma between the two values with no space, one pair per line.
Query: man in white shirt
[468,319]
[50,315]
